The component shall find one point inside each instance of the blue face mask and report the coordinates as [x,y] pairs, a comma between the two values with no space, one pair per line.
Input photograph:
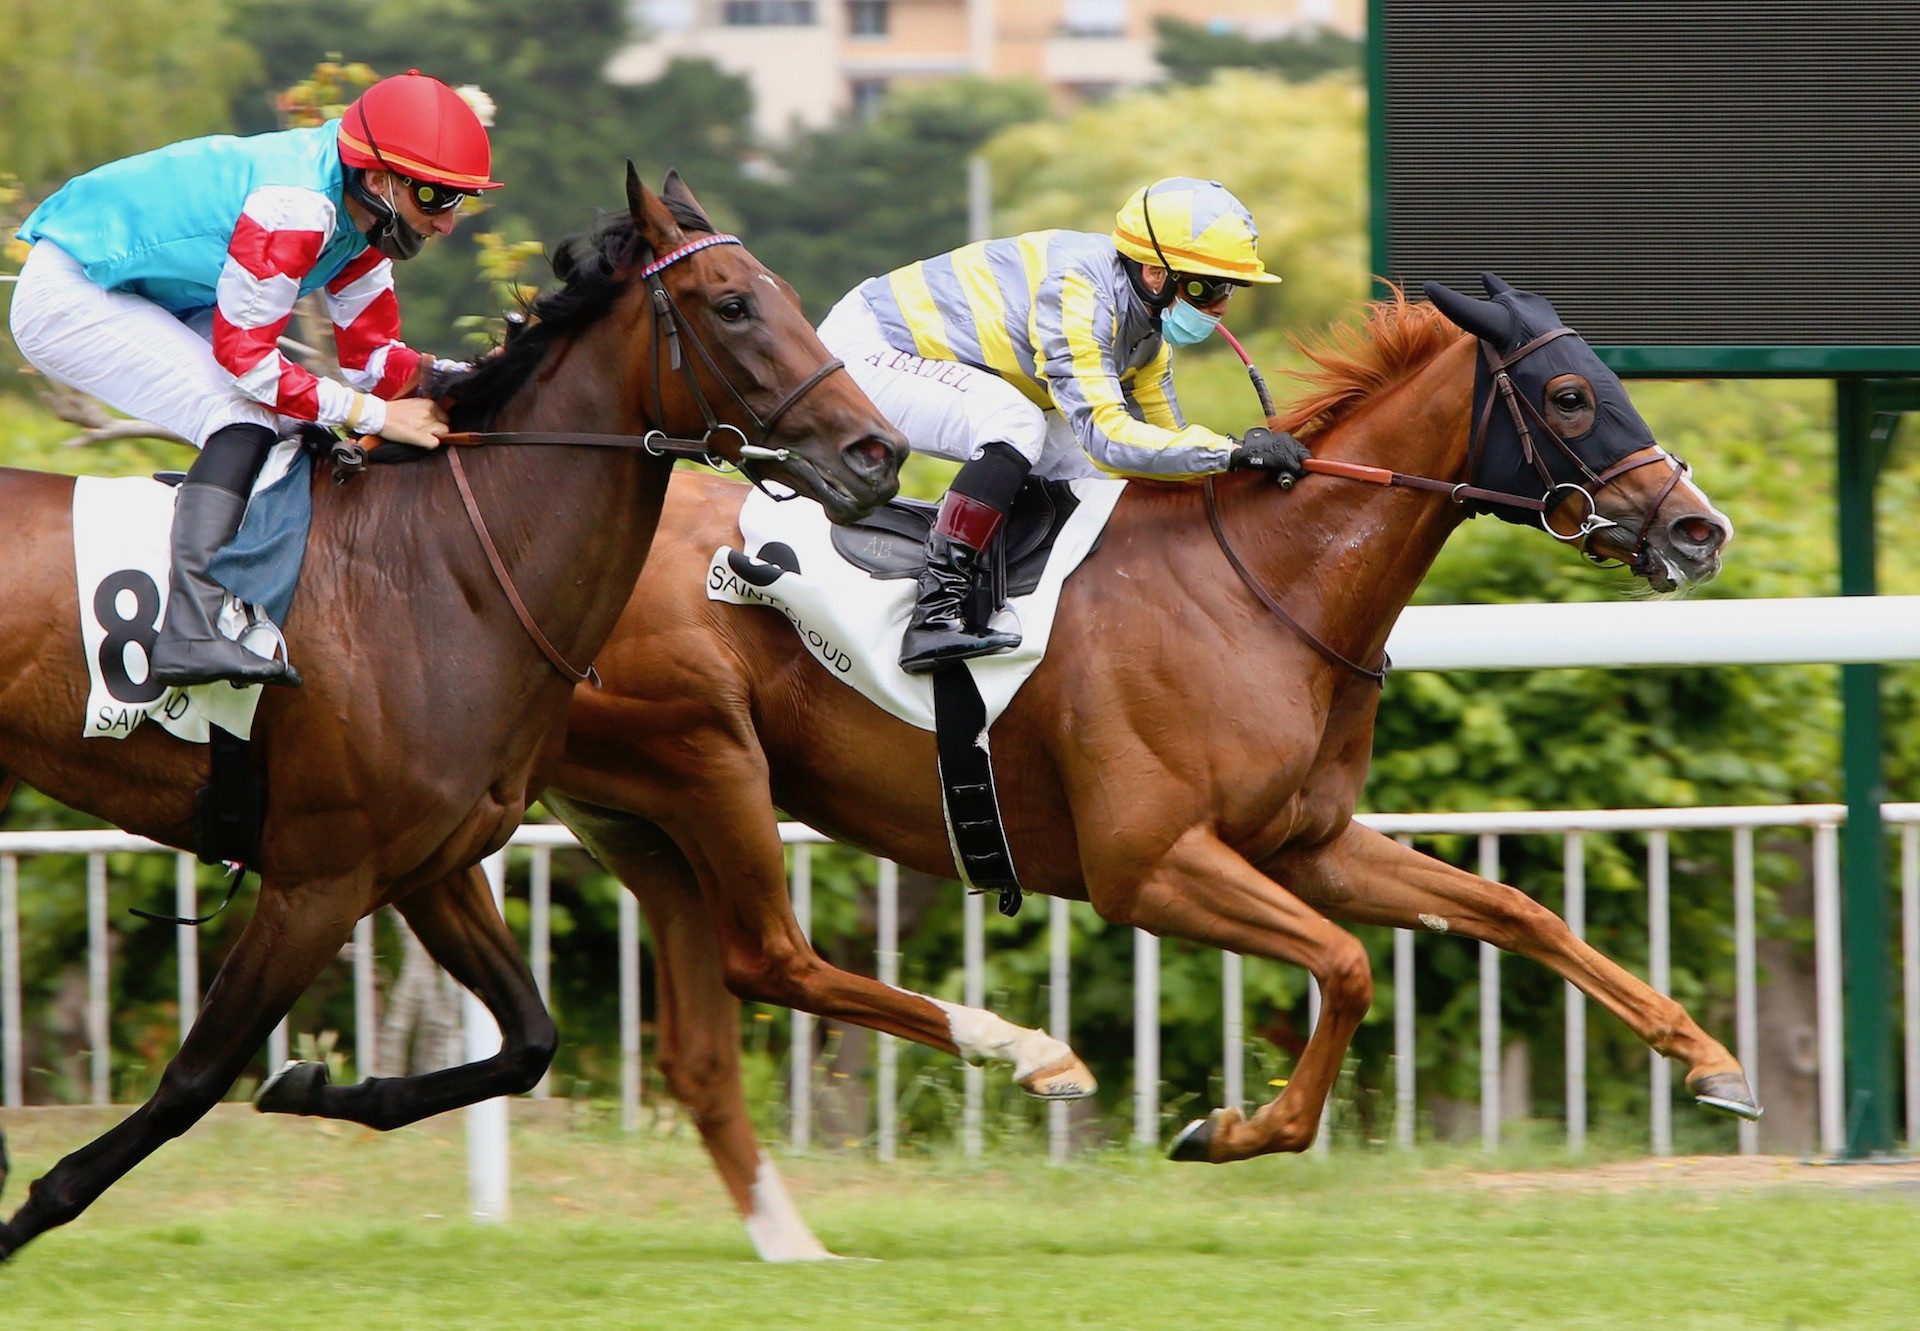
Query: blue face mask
[1185,326]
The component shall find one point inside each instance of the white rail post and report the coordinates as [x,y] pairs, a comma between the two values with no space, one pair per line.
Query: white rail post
[1826,983]
[1660,976]
[488,1165]
[11,1081]
[1233,1036]
[186,940]
[1058,1015]
[1146,1039]
[973,951]
[1746,989]
[1573,862]
[887,1048]
[1405,1107]
[366,1017]
[800,1071]
[629,1012]
[1490,1011]
[1323,1139]
[1910,970]
[540,941]
[97,942]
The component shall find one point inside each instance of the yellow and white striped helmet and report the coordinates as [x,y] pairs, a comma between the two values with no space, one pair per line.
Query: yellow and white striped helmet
[1191,226]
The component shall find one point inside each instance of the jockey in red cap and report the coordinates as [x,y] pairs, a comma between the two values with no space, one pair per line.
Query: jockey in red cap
[161,284]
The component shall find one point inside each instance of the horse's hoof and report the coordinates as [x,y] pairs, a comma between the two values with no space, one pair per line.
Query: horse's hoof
[1068,1079]
[291,1089]
[1729,1093]
[1195,1142]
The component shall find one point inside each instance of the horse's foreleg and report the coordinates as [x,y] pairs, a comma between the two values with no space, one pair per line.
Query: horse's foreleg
[291,936]
[1369,878]
[460,927]
[1204,891]
[734,846]
[699,1023]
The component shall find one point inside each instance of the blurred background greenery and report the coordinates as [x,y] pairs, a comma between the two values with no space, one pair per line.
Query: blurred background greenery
[1282,123]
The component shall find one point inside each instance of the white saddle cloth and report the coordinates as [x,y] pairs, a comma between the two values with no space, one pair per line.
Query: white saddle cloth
[852,621]
[122,556]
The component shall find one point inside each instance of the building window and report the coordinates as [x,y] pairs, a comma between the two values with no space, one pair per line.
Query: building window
[1095,18]
[867,96]
[867,18]
[767,13]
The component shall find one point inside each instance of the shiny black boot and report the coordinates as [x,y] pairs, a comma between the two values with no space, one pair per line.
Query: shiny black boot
[939,630]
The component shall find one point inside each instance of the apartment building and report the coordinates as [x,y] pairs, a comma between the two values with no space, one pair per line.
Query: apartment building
[810,60]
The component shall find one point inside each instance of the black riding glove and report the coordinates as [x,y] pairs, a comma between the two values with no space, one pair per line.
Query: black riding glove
[1266,450]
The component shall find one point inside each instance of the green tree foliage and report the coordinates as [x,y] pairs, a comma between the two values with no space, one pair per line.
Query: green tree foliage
[1291,153]
[1193,52]
[864,197]
[86,81]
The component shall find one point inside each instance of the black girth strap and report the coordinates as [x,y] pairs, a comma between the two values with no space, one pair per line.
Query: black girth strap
[974,829]
[228,814]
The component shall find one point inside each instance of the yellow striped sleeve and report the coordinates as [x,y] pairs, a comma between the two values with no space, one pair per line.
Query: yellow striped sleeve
[1152,385]
[922,315]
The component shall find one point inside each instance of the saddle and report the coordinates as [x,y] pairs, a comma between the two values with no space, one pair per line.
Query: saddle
[891,542]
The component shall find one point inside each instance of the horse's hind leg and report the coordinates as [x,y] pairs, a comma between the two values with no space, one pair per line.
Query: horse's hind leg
[291,936]
[1204,891]
[699,1023]
[1369,878]
[460,927]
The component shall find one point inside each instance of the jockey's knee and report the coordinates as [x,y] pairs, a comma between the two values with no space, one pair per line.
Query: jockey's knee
[233,456]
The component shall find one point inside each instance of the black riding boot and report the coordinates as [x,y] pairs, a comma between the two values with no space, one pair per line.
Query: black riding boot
[970,516]
[206,515]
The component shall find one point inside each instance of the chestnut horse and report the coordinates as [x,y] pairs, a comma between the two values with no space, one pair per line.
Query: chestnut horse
[429,711]
[1182,758]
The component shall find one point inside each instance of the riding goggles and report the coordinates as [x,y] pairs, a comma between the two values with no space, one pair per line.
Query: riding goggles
[1205,290]
[432,198]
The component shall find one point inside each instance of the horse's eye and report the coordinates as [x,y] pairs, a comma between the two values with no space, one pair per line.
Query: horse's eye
[1568,399]
[733,309]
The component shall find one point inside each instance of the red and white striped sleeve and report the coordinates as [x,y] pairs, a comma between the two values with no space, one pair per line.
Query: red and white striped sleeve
[366,327]
[276,243]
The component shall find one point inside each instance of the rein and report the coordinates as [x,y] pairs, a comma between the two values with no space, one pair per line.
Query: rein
[350,458]
[1461,492]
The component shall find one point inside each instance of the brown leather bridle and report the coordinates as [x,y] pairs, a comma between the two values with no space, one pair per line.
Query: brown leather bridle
[1518,407]
[669,326]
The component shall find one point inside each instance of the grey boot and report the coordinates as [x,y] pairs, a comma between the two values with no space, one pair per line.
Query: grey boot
[191,649]
[939,631]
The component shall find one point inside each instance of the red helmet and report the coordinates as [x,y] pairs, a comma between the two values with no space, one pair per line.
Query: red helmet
[420,128]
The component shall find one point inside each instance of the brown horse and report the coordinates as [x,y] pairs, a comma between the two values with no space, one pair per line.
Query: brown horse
[428,710]
[1182,758]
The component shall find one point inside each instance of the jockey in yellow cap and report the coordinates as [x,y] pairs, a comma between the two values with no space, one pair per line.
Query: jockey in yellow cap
[1050,353]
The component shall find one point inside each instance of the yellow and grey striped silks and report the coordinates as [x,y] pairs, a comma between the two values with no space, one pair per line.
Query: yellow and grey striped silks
[1053,313]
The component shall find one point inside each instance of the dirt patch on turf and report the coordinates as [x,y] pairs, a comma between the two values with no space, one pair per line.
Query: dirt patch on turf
[1706,1173]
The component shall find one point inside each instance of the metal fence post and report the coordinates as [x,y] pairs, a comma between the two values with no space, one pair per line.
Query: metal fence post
[540,941]
[11,1044]
[1490,1011]
[973,951]
[1146,1039]
[1746,1007]
[800,1059]
[629,1011]
[1660,976]
[100,1089]
[1826,983]
[1573,862]
[488,1191]
[887,1048]
[186,940]
[1058,1015]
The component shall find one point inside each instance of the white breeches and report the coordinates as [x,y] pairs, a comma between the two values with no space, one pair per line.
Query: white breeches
[124,350]
[944,407]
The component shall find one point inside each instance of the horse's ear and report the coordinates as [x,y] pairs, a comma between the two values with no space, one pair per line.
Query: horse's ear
[1482,318]
[676,189]
[650,216]
[1494,285]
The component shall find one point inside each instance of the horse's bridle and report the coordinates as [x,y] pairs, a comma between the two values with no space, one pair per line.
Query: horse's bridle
[1462,492]
[669,325]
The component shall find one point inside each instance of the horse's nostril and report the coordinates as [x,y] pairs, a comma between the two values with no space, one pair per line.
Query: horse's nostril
[869,456]
[1698,531]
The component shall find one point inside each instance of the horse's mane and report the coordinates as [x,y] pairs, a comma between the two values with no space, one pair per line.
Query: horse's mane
[1394,340]
[594,269]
